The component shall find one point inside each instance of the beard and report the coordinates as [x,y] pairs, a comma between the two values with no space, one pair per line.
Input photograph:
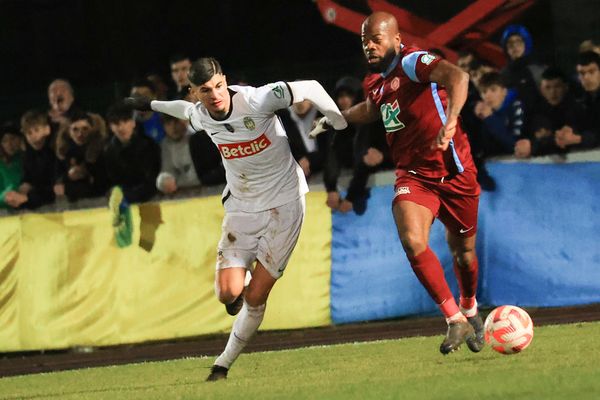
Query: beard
[385,62]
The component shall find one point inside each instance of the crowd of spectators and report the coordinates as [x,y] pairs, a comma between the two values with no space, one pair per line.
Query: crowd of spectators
[528,109]
[525,109]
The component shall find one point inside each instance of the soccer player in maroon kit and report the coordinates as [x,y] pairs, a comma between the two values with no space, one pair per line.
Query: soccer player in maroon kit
[419,97]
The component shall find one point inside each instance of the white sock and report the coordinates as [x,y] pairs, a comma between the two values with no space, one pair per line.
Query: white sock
[245,326]
[469,312]
[458,317]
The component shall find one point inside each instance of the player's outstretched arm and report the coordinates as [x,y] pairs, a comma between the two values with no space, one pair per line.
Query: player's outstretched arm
[314,92]
[177,108]
[362,113]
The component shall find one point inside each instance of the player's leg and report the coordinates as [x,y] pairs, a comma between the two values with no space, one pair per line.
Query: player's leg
[459,199]
[277,241]
[466,268]
[414,208]
[229,287]
[247,322]
[413,222]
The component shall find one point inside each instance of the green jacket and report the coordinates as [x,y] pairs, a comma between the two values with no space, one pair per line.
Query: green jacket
[10,176]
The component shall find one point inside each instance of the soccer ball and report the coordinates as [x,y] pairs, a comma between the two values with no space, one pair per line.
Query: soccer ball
[508,329]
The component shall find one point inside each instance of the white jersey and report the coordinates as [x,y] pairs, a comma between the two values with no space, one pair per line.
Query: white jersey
[260,169]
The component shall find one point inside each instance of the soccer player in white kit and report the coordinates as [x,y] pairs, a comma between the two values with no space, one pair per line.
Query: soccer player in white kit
[264,195]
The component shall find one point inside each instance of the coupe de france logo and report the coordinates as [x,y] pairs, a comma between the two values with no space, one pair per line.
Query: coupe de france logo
[278,91]
[390,115]
[427,58]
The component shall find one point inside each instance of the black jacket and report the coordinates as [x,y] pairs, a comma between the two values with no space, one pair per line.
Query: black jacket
[133,166]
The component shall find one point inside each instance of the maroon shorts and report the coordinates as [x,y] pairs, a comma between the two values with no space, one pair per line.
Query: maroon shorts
[454,201]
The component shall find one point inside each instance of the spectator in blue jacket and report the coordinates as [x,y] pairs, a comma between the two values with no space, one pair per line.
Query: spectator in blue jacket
[502,114]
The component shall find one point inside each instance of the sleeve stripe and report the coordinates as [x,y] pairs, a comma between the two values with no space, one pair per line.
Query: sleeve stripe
[291,93]
[409,64]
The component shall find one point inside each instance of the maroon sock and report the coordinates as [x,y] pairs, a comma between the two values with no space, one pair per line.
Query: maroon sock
[428,269]
[467,281]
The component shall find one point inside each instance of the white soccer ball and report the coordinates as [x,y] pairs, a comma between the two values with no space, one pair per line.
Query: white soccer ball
[508,329]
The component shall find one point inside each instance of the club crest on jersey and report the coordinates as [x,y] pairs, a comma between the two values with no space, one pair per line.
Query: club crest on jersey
[395,83]
[249,123]
[244,149]
[390,114]
[427,58]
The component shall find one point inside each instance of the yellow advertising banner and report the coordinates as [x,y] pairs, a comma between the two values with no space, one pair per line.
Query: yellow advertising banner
[65,283]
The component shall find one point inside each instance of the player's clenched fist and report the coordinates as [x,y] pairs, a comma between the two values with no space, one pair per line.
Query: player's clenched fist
[446,133]
[138,103]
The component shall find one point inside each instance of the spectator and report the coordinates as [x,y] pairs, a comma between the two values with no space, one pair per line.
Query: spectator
[471,123]
[149,121]
[132,159]
[502,114]
[40,165]
[557,109]
[360,147]
[180,66]
[182,167]
[298,121]
[79,148]
[62,100]
[587,135]
[162,89]
[522,72]
[589,45]
[465,60]
[11,163]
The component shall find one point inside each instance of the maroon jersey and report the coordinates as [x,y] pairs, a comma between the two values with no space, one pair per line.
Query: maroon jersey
[413,111]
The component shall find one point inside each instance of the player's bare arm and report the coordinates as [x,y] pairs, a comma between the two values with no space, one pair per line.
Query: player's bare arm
[456,83]
[361,113]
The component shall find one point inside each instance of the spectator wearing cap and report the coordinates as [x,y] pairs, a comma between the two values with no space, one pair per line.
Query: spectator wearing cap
[149,122]
[587,134]
[522,72]
[11,163]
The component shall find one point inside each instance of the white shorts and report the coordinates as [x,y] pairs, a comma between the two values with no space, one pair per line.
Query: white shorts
[267,236]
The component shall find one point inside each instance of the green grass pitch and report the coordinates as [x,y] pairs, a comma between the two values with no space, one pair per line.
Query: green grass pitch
[563,362]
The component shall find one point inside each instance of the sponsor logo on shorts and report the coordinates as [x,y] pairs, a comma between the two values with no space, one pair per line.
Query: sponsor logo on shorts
[244,149]
[466,230]
[403,190]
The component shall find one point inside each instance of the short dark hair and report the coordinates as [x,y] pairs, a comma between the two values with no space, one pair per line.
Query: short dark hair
[144,82]
[552,73]
[203,69]
[491,79]
[175,58]
[79,115]
[119,112]
[588,57]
